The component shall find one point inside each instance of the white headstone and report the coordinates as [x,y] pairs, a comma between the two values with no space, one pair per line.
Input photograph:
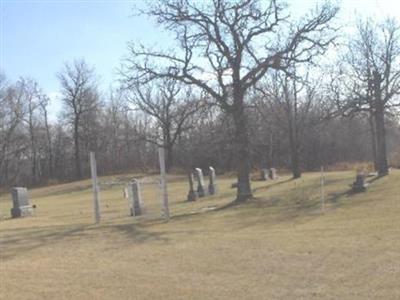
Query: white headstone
[212,185]
[200,182]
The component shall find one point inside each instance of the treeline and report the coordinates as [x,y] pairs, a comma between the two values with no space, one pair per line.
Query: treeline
[36,151]
[219,103]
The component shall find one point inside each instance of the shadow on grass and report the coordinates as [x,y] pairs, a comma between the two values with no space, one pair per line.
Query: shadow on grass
[137,233]
[18,243]
[21,243]
[273,185]
[375,178]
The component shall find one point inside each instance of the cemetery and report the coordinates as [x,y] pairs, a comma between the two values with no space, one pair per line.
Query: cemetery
[131,248]
[195,150]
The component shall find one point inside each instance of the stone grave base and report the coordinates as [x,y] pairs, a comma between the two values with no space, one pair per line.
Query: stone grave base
[359,188]
[212,189]
[22,211]
[192,196]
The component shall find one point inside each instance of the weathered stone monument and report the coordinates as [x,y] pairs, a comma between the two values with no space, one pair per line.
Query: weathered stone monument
[359,185]
[264,174]
[212,185]
[272,173]
[200,182]
[192,195]
[126,193]
[135,198]
[21,204]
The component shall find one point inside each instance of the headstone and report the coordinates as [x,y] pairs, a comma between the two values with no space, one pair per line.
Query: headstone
[212,185]
[359,185]
[136,205]
[21,204]
[192,195]
[126,193]
[272,173]
[200,182]
[264,174]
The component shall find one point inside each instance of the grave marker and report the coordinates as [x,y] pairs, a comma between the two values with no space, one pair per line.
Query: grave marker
[359,185]
[192,195]
[212,186]
[200,182]
[264,174]
[135,196]
[272,173]
[21,203]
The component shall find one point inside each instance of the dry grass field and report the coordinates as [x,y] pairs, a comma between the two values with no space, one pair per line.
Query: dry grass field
[277,246]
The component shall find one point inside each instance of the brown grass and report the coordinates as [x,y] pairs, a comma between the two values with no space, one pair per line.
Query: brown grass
[277,246]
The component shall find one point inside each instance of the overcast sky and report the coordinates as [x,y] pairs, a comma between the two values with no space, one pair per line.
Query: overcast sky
[37,37]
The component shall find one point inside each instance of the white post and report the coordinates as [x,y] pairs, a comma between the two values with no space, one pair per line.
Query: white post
[322,189]
[96,201]
[164,191]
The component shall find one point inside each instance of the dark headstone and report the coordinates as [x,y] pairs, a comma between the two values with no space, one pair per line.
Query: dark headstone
[192,195]
[136,206]
[21,203]
[359,185]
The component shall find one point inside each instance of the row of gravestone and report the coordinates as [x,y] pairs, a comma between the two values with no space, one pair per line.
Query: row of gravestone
[133,194]
[201,190]
[268,174]
[22,207]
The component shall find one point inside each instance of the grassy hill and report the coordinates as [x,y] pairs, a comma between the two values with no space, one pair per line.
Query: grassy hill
[277,246]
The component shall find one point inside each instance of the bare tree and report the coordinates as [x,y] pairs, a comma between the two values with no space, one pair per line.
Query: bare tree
[171,105]
[49,147]
[32,98]
[11,114]
[369,80]
[225,48]
[80,96]
[290,101]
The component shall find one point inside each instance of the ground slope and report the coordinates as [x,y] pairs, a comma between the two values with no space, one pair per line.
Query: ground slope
[278,246]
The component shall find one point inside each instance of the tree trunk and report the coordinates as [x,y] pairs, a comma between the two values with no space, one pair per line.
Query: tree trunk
[170,158]
[270,162]
[34,176]
[373,141]
[294,151]
[379,115]
[168,146]
[295,161]
[383,168]
[242,150]
[49,145]
[77,150]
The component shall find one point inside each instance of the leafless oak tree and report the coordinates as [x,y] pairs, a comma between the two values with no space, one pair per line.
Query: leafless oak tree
[369,80]
[290,100]
[224,48]
[172,105]
[80,97]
